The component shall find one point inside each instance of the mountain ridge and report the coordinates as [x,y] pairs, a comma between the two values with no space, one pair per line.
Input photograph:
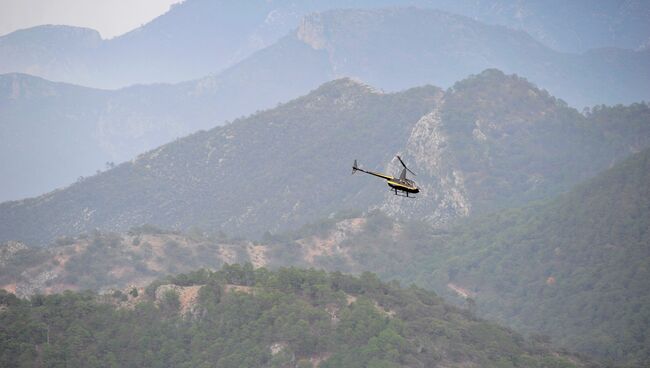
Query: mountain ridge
[388,48]
[568,270]
[157,174]
[207,37]
[189,182]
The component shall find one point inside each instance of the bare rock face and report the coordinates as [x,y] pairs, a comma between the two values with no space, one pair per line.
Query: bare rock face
[443,195]
[493,141]
[310,32]
[188,297]
[9,249]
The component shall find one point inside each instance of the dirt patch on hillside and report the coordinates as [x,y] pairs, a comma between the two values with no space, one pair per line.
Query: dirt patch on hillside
[330,244]
[188,296]
[385,311]
[317,359]
[10,288]
[257,255]
[460,291]
[227,254]
[239,288]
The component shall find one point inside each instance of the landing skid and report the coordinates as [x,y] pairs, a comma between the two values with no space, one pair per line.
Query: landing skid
[403,194]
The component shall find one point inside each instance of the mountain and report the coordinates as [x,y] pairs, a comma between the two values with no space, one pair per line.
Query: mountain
[400,47]
[496,140]
[200,37]
[239,316]
[391,49]
[50,51]
[490,142]
[46,138]
[105,261]
[193,39]
[575,26]
[571,269]
[78,129]
[239,176]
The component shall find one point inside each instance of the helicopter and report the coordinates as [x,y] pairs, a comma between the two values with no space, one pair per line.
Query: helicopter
[401,184]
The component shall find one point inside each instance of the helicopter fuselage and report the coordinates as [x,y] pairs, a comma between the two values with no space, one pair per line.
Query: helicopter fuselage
[403,185]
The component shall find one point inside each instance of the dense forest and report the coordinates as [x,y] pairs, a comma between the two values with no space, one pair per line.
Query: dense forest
[245,317]
[571,271]
[573,268]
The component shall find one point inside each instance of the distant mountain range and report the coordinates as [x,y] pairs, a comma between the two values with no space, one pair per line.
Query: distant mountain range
[201,37]
[397,48]
[392,49]
[491,141]
[531,212]
[78,129]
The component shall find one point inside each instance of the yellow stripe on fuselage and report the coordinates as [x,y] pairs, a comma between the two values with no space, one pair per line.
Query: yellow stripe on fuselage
[396,184]
[384,176]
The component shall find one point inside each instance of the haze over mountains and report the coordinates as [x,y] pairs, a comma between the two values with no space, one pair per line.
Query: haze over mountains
[491,141]
[570,269]
[533,209]
[201,37]
[226,169]
[400,46]
[391,49]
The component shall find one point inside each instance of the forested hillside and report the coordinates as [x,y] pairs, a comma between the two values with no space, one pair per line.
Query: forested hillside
[573,268]
[292,160]
[570,270]
[79,129]
[202,213]
[256,318]
[491,141]
[270,58]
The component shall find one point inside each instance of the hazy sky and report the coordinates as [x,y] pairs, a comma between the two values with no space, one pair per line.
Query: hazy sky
[110,17]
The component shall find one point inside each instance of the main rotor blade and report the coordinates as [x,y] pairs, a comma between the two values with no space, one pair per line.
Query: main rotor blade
[403,164]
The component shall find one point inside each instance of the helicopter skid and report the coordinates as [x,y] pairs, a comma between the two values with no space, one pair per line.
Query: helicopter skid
[404,195]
